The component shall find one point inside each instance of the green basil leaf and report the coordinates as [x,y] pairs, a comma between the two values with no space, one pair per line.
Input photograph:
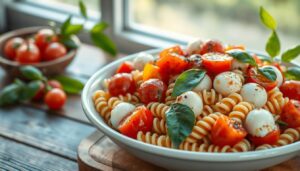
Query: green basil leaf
[267,19]
[268,72]
[31,73]
[69,43]
[10,94]
[65,25]
[70,85]
[30,90]
[273,45]
[99,27]
[293,73]
[281,123]
[242,56]
[82,9]
[265,58]
[180,122]
[187,81]
[291,54]
[73,29]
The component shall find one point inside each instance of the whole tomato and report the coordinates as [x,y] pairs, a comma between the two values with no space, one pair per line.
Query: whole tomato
[120,84]
[42,89]
[291,113]
[291,89]
[11,47]
[125,67]
[55,99]
[54,51]
[152,90]
[28,54]
[44,37]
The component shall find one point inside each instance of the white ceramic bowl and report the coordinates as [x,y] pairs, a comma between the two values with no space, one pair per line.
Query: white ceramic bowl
[173,159]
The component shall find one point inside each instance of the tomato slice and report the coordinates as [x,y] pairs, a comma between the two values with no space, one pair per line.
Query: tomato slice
[151,71]
[226,131]
[271,138]
[291,114]
[291,89]
[212,46]
[140,120]
[120,84]
[255,77]
[152,90]
[216,62]
[172,50]
[125,67]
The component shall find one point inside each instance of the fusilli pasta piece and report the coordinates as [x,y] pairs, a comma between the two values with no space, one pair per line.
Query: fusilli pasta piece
[169,99]
[100,102]
[275,93]
[275,105]
[206,111]
[240,74]
[133,98]
[226,104]
[137,77]
[242,146]
[240,111]
[289,136]
[154,139]
[158,109]
[159,126]
[210,97]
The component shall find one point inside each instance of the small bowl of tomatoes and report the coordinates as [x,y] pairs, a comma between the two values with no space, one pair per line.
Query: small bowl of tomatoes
[37,46]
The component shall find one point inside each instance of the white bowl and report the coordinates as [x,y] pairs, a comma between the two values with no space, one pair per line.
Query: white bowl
[173,159]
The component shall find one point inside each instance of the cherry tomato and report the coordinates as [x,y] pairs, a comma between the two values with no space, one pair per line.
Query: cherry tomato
[216,62]
[40,93]
[212,46]
[28,54]
[55,99]
[55,84]
[271,138]
[125,67]
[194,61]
[291,113]
[11,47]
[151,71]
[226,131]
[291,89]
[152,90]
[255,77]
[44,37]
[230,47]
[172,50]
[120,84]
[54,51]
[140,120]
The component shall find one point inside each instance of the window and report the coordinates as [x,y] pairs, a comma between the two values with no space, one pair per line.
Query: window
[232,21]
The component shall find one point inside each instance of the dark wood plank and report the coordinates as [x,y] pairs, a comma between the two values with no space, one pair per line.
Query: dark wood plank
[16,156]
[51,133]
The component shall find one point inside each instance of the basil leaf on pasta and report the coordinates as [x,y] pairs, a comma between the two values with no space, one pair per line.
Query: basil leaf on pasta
[242,56]
[268,72]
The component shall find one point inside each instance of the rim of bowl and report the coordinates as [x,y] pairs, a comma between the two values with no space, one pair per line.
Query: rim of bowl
[31,30]
[87,104]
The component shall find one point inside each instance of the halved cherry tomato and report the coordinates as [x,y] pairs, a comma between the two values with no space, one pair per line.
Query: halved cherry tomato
[194,61]
[291,89]
[44,37]
[255,77]
[152,90]
[11,47]
[54,51]
[151,71]
[216,62]
[226,131]
[140,120]
[28,54]
[291,113]
[125,67]
[230,47]
[172,50]
[120,84]
[271,138]
[212,46]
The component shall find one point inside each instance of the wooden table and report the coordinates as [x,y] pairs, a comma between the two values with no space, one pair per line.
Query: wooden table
[33,138]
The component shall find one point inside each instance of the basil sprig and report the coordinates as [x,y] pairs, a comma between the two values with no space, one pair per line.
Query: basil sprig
[180,122]
[242,56]
[293,73]
[291,54]
[267,19]
[187,81]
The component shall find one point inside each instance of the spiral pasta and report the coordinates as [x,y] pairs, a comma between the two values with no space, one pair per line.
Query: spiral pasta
[206,111]
[137,77]
[275,105]
[227,103]
[158,109]
[154,139]
[289,136]
[264,147]
[203,127]
[159,126]
[101,105]
[210,97]
[169,99]
[240,111]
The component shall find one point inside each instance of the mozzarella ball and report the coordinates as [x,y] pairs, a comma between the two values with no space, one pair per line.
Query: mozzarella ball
[194,46]
[260,122]
[227,82]
[235,64]
[120,112]
[279,78]
[255,94]
[141,60]
[192,100]
[204,84]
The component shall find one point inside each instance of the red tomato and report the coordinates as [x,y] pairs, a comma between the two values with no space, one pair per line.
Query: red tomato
[28,54]
[54,51]
[291,114]
[140,120]
[194,61]
[226,131]
[152,90]
[55,84]
[151,71]
[255,77]
[125,67]
[55,98]
[258,61]
[291,89]
[11,46]
[172,50]
[216,62]
[44,37]
[120,84]
[40,93]
[271,138]
[212,46]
